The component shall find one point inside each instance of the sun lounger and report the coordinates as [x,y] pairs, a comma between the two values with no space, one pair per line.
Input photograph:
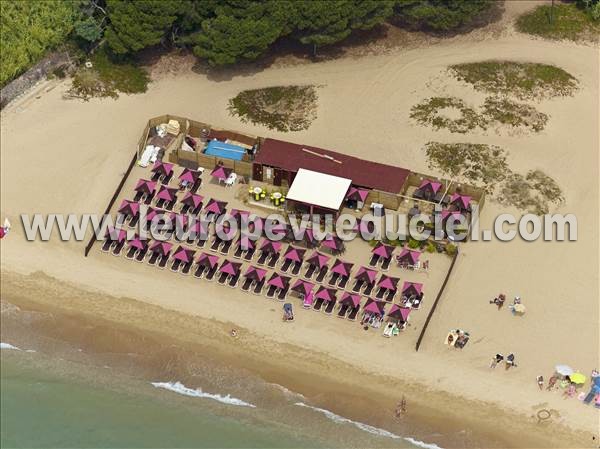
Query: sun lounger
[233,281]
[273,260]
[380,293]
[106,245]
[138,196]
[343,282]
[330,307]
[196,186]
[386,264]
[271,291]
[357,286]
[321,275]
[286,265]
[310,271]
[155,176]
[149,199]
[283,294]
[197,209]
[118,248]
[199,271]
[167,179]
[200,241]
[216,243]
[318,304]
[369,289]
[249,254]
[263,258]
[175,265]
[141,255]
[353,313]
[374,259]
[160,203]
[416,303]
[153,258]
[184,209]
[163,261]
[343,310]
[388,330]
[134,221]
[247,284]
[222,278]
[131,252]
[390,295]
[258,287]
[333,279]
[187,267]
[210,275]
[226,245]
[238,252]
[170,205]
[296,268]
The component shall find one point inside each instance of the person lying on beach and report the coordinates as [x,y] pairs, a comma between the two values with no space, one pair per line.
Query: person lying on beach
[570,392]
[540,382]
[510,361]
[551,382]
[497,359]
[499,300]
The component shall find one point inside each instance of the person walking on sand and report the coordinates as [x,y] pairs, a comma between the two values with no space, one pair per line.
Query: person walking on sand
[510,361]
[551,382]
[496,359]
[540,382]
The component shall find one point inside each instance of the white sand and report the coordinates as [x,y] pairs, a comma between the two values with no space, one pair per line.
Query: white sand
[67,157]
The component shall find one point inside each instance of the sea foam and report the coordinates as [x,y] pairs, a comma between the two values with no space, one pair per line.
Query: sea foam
[368,428]
[8,346]
[179,388]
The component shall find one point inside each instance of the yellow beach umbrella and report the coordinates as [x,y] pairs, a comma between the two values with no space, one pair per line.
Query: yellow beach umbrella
[577,378]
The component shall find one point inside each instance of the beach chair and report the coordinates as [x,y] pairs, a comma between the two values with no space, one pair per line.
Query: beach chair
[273,260]
[160,203]
[333,279]
[167,179]
[222,278]
[271,291]
[131,252]
[200,241]
[186,268]
[210,274]
[249,254]
[343,310]
[263,258]
[184,209]
[286,265]
[388,331]
[170,205]
[141,255]
[233,281]
[296,268]
[216,243]
[343,282]
[330,306]
[153,258]
[138,196]
[369,289]
[247,284]
[374,259]
[196,185]
[416,303]
[283,294]
[199,271]
[318,304]
[197,209]
[380,293]
[155,176]
[310,271]
[134,221]
[258,287]
[162,263]
[226,245]
[322,273]
[386,264]
[175,265]
[357,286]
[106,245]
[390,295]
[353,313]
[238,252]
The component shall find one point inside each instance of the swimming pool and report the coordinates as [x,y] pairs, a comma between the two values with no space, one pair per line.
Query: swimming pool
[224,150]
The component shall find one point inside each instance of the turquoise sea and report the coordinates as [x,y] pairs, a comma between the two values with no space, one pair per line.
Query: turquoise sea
[42,405]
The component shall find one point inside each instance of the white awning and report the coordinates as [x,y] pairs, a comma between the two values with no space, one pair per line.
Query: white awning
[319,189]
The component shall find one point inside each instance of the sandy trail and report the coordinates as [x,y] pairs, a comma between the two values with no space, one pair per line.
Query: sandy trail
[67,157]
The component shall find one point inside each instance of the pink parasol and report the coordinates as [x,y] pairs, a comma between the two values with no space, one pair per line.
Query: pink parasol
[382,250]
[366,274]
[327,294]
[342,268]
[351,299]
[318,259]
[215,206]
[129,208]
[461,201]
[294,254]
[164,168]
[271,246]
[303,287]
[399,313]
[192,199]
[410,256]
[257,274]
[184,254]
[412,288]
[388,282]
[377,307]
[429,184]
[279,281]
[221,173]
[167,193]
[357,194]
[231,268]
[145,186]
[163,248]
[207,260]
[188,175]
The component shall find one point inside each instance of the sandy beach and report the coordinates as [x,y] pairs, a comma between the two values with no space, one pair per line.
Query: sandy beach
[66,156]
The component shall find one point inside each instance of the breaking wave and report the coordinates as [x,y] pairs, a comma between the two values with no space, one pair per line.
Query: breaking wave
[179,388]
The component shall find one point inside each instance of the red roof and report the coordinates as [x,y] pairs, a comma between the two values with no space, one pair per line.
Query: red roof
[291,157]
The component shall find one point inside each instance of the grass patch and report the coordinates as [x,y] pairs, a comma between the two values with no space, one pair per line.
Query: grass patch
[283,108]
[107,78]
[534,192]
[507,112]
[564,21]
[447,113]
[479,164]
[452,114]
[523,80]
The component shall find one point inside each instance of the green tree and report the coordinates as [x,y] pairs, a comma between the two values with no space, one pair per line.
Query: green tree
[439,15]
[137,24]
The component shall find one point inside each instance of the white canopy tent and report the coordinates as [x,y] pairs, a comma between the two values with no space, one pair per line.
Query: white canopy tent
[318,189]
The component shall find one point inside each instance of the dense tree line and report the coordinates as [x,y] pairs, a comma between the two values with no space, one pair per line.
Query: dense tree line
[219,31]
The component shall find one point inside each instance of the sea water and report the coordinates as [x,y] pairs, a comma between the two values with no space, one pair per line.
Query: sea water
[43,407]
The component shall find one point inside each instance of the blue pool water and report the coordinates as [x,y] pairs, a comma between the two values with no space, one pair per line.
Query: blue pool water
[224,150]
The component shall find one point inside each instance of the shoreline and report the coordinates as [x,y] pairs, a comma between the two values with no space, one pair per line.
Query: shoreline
[76,312]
